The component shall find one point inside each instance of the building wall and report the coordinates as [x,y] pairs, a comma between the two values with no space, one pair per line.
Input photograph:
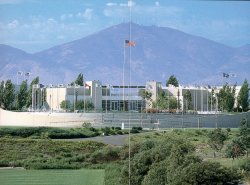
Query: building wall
[122,97]
[153,87]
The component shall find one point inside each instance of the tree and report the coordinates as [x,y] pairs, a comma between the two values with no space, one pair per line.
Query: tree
[29,97]
[244,136]
[22,95]
[80,105]
[146,95]
[235,149]
[79,80]
[8,95]
[188,100]
[216,139]
[166,102]
[240,145]
[1,93]
[243,96]
[89,105]
[205,173]
[173,81]
[226,98]
[212,100]
[65,104]
[157,174]
[172,160]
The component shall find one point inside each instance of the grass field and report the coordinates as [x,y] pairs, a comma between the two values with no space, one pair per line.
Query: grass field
[51,177]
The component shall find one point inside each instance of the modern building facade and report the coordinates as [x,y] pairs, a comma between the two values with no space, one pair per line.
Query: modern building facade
[103,97]
[120,97]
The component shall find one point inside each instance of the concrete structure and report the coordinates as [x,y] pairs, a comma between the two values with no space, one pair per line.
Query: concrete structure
[200,95]
[104,98]
[121,98]
[48,119]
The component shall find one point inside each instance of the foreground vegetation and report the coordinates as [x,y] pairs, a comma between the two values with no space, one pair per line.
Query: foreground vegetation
[62,133]
[176,156]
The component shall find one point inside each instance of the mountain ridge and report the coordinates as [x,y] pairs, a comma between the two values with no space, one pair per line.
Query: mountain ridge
[159,52]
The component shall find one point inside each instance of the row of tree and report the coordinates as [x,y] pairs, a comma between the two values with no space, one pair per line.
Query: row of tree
[79,105]
[12,99]
[224,100]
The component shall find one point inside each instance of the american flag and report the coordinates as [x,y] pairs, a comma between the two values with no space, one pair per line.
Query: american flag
[129,43]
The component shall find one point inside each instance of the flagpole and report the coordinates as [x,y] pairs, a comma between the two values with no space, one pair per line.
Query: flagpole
[123,83]
[84,103]
[130,16]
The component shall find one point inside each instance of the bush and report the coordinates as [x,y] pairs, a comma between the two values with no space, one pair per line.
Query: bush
[45,132]
[246,165]
[133,131]
[86,124]
[4,163]
[137,128]
[105,155]
[119,132]
[108,131]
[118,128]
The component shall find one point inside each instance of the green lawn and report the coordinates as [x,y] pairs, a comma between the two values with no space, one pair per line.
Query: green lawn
[51,177]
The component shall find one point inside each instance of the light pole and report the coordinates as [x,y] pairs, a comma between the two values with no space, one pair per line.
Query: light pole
[178,94]
[106,99]
[95,96]
[19,73]
[84,100]
[74,103]
[27,74]
[32,95]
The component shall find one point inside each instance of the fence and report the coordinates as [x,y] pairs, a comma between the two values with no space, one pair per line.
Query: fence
[129,119]
[161,121]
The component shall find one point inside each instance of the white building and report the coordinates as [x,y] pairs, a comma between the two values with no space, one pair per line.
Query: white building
[120,98]
[108,98]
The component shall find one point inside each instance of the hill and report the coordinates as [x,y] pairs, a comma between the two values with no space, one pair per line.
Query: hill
[159,52]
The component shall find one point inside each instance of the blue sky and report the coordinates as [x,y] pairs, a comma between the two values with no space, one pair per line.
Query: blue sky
[35,25]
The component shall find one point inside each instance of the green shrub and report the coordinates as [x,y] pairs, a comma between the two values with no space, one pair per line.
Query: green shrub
[86,124]
[136,128]
[45,132]
[134,131]
[246,165]
[119,132]
[107,131]
[118,128]
[4,163]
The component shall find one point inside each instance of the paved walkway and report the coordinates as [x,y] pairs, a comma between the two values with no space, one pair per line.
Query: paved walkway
[117,140]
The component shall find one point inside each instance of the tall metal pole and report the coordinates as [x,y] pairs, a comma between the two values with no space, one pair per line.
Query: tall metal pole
[95,97]
[202,99]
[216,123]
[84,99]
[123,73]
[130,16]
[211,99]
[74,97]
[32,95]
[110,103]
[106,98]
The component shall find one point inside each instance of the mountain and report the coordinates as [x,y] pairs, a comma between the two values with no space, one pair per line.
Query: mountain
[159,52]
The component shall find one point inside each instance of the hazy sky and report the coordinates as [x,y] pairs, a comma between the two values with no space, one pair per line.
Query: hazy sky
[34,25]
